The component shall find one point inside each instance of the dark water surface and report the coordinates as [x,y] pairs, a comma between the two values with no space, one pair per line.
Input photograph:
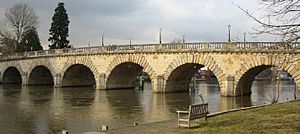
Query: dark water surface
[35,109]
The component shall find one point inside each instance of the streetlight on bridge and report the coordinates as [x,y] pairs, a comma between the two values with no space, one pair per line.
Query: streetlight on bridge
[102,39]
[245,37]
[160,30]
[183,38]
[130,42]
[229,27]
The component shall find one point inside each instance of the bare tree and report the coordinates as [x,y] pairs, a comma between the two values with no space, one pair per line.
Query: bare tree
[175,41]
[281,19]
[7,40]
[18,18]
[273,93]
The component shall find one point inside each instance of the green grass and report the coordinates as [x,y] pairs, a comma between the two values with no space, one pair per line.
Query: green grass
[278,118]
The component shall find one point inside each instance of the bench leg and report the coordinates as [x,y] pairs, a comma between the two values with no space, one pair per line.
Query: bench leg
[178,121]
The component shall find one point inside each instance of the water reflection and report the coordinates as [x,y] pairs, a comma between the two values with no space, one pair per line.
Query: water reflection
[163,106]
[125,104]
[232,103]
[13,119]
[78,96]
[45,109]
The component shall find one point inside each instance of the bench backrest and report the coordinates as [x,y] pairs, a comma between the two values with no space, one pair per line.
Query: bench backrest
[198,110]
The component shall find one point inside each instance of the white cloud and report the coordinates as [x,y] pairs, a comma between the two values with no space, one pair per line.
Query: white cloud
[172,8]
[199,20]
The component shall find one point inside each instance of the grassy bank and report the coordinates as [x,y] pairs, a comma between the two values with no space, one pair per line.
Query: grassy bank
[280,118]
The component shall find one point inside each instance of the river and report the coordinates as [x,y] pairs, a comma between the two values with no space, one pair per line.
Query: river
[44,109]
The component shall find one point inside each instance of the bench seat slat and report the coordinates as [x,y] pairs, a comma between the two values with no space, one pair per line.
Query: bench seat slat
[184,119]
[183,112]
[184,125]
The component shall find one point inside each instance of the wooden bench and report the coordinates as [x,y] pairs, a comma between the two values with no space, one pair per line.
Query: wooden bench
[195,112]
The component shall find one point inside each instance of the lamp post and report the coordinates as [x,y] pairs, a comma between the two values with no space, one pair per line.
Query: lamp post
[183,38]
[160,30]
[245,37]
[102,39]
[229,27]
[130,42]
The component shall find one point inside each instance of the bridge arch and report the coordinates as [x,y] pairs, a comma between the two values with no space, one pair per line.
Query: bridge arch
[40,75]
[15,64]
[41,69]
[83,60]
[78,75]
[12,65]
[188,64]
[131,65]
[84,67]
[43,62]
[12,75]
[253,66]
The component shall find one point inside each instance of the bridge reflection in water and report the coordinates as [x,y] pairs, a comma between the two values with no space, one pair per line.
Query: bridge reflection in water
[42,109]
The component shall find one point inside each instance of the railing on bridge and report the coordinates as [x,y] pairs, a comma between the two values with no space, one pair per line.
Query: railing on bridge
[201,46]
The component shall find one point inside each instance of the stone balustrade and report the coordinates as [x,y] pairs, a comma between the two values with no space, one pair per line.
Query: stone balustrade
[199,46]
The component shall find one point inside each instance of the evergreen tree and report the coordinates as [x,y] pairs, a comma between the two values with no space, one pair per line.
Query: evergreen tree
[30,41]
[59,30]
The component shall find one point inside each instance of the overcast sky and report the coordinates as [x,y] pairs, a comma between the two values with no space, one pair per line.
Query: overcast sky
[140,20]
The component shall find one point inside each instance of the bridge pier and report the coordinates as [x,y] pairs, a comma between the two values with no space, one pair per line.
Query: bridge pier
[227,89]
[24,78]
[57,80]
[158,84]
[231,90]
[101,81]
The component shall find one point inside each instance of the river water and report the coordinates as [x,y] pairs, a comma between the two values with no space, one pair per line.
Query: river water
[36,109]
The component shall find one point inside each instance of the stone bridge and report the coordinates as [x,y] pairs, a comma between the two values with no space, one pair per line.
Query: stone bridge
[169,66]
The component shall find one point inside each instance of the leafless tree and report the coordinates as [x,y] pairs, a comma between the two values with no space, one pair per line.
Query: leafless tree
[175,41]
[7,40]
[274,93]
[281,19]
[18,19]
